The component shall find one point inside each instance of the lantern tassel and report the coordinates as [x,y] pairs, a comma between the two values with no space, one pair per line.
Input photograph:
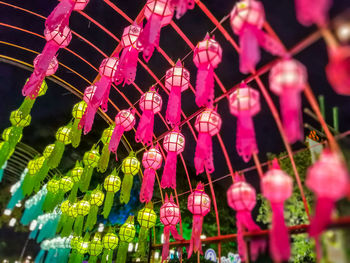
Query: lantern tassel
[86,178]
[181,6]
[41,175]
[61,223]
[67,227]
[279,239]
[73,193]
[78,225]
[107,253]
[32,87]
[146,192]
[27,184]
[26,106]
[205,86]
[115,139]
[56,155]
[322,217]
[165,250]
[72,256]
[91,218]
[108,204]
[195,242]
[204,153]
[4,152]
[92,259]
[60,15]
[126,188]
[169,172]
[145,129]
[141,250]
[122,252]
[78,258]
[104,159]
[40,257]
[291,114]
[49,202]
[245,138]
[250,52]
[149,37]
[173,112]
[312,12]
[75,134]
[128,64]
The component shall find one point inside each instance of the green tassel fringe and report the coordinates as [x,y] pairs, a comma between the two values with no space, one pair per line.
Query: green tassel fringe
[26,106]
[85,179]
[67,227]
[73,193]
[28,184]
[4,152]
[61,223]
[92,259]
[107,256]
[56,155]
[91,218]
[108,204]
[78,225]
[75,133]
[126,188]
[104,159]
[122,252]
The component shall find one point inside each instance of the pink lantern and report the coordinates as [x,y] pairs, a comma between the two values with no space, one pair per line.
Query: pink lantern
[245,103]
[169,216]
[206,56]
[151,161]
[181,6]
[128,60]
[55,40]
[338,69]
[59,17]
[107,70]
[124,121]
[176,80]
[159,14]
[174,144]
[241,197]
[208,124]
[199,205]
[53,66]
[277,186]
[312,12]
[287,79]
[247,20]
[150,103]
[329,180]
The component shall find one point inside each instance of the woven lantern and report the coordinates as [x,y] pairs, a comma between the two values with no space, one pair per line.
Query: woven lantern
[64,207]
[198,203]
[96,200]
[124,121]
[72,213]
[111,185]
[77,113]
[277,186]
[174,144]
[287,79]
[74,246]
[62,139]
[110,242]
[169,216]
[147,219]
[53,187]
[11,136]
[208,123]
[312,12]
[83,209]
[126,235]
[151,161]
[150,104]
[95,248]
[53,66]
[130,167]
[206,56]
[48,150]
[65,184]
[244,103]
[181,7]
[90,161]
[177,80]
[56,38]
[28,103]
[241,197]
[159,13]
[105,155]
[128,60]
[18,119]
[328,178]
[82,248]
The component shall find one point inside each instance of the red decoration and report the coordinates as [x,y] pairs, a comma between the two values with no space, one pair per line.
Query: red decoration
[208,124]
[53,66]
[312,12]
[181,6]
[176,80]
[206,56]
[174,144]
[199,205]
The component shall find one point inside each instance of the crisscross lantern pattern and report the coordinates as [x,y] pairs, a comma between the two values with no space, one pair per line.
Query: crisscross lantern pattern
[126,235]
[111,185]
[130,167]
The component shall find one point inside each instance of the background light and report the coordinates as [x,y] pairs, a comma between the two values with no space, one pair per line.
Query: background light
[12,222]
[7,212]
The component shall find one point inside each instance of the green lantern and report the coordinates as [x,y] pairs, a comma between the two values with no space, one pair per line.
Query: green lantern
[74,246]
[130,167]
[64,207]
[4,151]
[72,213]
[82,248]
[83,209]
[48,150]
[126,235]
[77,113]
[18,119]
[109,242]
[96,200]
[52,191]
[11,136]
[62,139]
[42,171]
[105,155]
[90,161]
[29,178]
[95,248]
[76,174]
[65,185]
[28,103]
[111,185]
[147,218]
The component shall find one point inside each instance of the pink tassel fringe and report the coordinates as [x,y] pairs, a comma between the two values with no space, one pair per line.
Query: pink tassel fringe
[60,15]
[146,192]
[115,139]
[195,242]
[250,52]
[245,140]
[169,172]
[167,230]
[128,65]
[312,12]
[145,129]
[322,217]
[149,37]
[204,154]
[205,86]
[173,112]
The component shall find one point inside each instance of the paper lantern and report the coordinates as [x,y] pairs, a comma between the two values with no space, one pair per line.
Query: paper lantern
[83,209]
[244,103]
[159,14]
[18,119]
[169,216]
[312,12]
[151,161]
[111,185]
[11,136]
[206,56]
[96,200]
[52,191]
[147,219]
[198,203]
[177,80]
[90,161]
[56,38]
[241,197]
[130,167]
[150,104]
[181,6]
[247,20]
[72,213]
[53,66]
[287,79]
[124,121]
[329,180]
[174,144]
[95,248]
[65,184]
[128,60]
[208,123]
[82,248]
[109,242]
[77,113]
[277,186]
[28,103]
[62,139]
[126,235]
[105,155]
[64,207]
